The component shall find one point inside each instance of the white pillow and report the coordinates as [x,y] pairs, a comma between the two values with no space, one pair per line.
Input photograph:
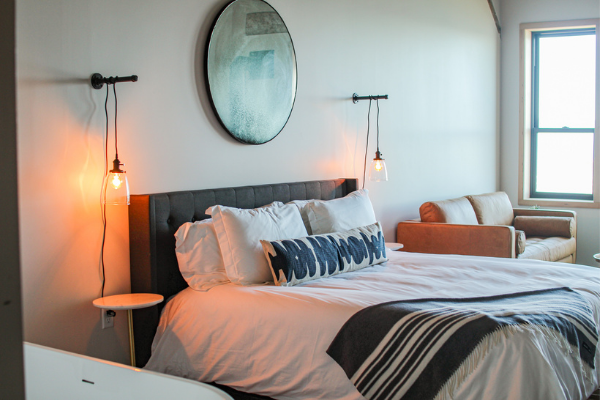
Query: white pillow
[240,231]
[338,215]
[199,256]
[209,210]
[303,208]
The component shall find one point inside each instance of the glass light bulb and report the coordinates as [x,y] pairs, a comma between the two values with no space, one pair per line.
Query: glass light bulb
[116,189]
[378,170]
[116,181]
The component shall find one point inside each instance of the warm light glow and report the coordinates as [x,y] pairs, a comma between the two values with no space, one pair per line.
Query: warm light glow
[116,189]
[116,181]
[378,170]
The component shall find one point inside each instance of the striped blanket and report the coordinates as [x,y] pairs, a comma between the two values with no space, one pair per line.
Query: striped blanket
[424,349]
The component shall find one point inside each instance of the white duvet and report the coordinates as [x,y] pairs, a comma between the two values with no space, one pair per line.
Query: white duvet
[271,340]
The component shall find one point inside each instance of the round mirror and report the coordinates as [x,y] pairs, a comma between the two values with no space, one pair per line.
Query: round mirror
[251,71]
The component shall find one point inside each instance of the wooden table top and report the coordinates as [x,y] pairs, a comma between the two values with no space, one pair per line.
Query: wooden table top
[129,301]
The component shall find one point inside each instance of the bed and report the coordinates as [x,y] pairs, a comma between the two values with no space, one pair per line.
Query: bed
[271,340]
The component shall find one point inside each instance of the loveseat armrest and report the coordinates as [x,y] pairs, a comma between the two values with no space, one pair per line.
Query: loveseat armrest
[545,226]
[441,238]
[541,212]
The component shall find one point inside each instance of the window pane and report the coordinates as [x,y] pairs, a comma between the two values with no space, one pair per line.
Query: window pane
[567,81]
[565,162]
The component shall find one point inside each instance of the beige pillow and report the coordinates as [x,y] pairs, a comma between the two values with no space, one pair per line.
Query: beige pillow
[339,215]
[492,208]
[453,211]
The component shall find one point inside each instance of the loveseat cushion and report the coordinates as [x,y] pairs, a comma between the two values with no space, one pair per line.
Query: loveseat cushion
[549,249]
[453,211]
[545,226]
[492,208]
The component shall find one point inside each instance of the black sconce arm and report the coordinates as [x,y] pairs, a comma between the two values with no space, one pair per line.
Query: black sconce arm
[356,98]
[98,80]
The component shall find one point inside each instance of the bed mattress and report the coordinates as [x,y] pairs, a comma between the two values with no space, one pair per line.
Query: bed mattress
[272,340]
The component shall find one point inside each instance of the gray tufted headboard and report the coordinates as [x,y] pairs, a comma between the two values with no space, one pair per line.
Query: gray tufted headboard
[154,219]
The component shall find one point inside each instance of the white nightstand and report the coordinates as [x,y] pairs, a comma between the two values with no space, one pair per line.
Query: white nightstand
[394,246]
[129,302]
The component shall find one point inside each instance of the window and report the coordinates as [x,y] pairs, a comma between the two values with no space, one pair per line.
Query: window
[558,110]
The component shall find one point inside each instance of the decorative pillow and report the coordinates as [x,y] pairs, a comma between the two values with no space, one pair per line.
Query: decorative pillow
[299,260]
[453,211]
[199,256]
[339,215]
[239,233]
[492,208]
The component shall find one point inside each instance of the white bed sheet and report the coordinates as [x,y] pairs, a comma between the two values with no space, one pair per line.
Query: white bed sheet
[271,340]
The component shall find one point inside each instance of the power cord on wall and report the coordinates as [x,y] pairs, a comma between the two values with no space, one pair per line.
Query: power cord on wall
[367,145]
[104,182]
[377,103]
[103,195]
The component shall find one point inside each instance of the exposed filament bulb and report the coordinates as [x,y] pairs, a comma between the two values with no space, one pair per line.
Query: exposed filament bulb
[117,187]
[117,181]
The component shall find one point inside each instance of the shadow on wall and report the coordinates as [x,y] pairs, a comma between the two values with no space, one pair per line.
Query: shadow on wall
[98,336]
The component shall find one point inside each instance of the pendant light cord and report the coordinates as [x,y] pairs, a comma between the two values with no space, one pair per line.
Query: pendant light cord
[104,181]
[116,141]
[367,145]
[377,102]
[103,195]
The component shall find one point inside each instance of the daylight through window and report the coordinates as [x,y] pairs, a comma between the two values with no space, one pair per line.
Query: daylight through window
[563,114]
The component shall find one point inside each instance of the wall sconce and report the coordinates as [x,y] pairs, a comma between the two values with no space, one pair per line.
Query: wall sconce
[378,169]
[115,187]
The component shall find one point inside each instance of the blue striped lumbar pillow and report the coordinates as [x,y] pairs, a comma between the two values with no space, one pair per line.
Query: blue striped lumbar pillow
[295,261]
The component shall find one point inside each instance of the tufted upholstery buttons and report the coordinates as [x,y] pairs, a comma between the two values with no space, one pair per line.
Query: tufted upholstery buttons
[169,220]
[193,219]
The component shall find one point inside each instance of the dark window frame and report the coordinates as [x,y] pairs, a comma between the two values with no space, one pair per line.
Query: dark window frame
[535,129]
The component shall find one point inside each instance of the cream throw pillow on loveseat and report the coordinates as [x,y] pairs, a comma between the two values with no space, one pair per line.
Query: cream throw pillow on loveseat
[492,208]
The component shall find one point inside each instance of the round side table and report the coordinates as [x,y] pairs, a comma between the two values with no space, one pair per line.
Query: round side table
[597,257]
[129,302]
[394,246]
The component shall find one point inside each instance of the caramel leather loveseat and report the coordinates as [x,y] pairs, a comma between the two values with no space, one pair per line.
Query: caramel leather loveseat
[487,225]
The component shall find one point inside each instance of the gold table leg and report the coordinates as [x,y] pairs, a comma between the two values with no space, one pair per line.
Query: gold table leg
[131,342]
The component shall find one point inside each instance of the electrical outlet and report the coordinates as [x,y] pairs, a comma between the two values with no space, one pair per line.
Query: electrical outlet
[108,318]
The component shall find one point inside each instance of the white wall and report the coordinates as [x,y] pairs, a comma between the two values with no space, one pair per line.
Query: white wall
[437,60]
[11,331]
[513,13]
